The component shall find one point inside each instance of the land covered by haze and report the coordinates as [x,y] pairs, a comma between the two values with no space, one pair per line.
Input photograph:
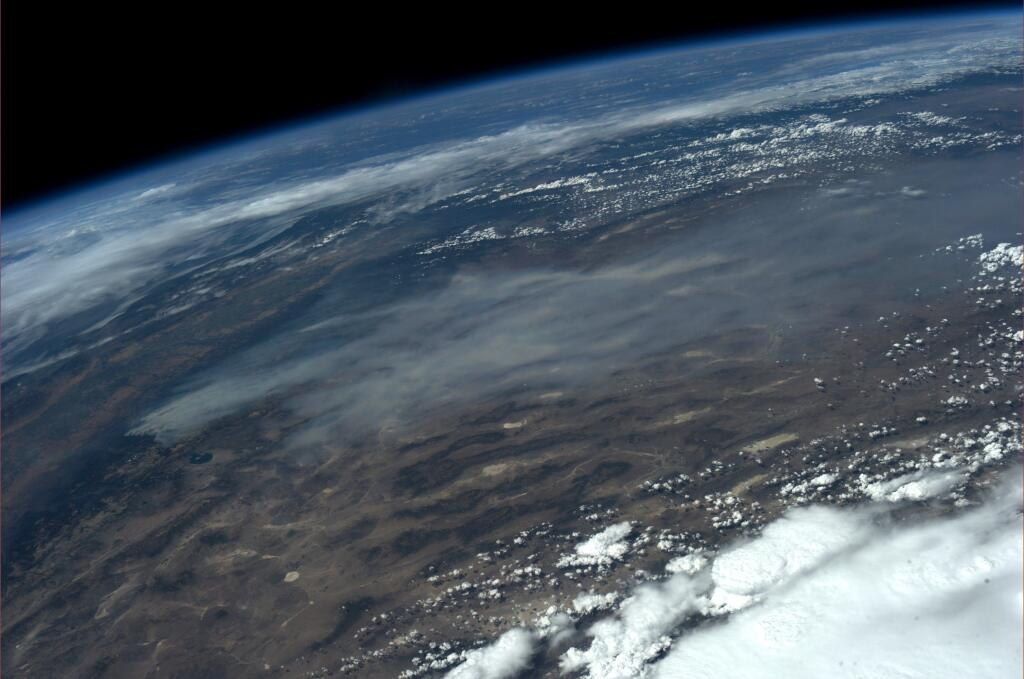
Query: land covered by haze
[599,372]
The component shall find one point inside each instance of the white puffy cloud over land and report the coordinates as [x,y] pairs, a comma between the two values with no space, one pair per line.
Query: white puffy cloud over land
[824,591]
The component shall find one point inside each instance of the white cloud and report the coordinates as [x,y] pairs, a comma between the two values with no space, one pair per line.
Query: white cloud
[690,564]
[587,603]
[1004,254]
[845,593]
[600,549]
[911,192]
[792,545]
[507,657]
[918,485]
[622,646]
[161,190]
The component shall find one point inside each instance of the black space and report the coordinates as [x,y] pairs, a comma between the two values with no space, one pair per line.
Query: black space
[92,89]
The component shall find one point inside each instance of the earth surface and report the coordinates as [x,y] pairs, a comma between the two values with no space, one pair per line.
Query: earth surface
[702,362]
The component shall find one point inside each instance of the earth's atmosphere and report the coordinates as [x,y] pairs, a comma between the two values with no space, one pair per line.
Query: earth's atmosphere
[697,363]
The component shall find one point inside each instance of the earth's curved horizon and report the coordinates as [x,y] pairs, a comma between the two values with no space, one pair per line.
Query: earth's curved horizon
[697,362]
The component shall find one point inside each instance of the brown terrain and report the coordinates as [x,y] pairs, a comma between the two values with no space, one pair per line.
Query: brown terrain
[227,555]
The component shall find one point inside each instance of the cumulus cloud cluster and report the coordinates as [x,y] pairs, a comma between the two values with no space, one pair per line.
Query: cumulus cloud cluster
[822,591]
[600,549]
[834,592]
[915,486]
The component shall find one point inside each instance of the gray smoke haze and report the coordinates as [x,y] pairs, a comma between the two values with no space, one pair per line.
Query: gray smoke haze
[490,332]
[114,247]
[478,336]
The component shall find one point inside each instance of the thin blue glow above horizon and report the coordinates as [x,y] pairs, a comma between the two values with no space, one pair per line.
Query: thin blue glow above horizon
[308,124]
